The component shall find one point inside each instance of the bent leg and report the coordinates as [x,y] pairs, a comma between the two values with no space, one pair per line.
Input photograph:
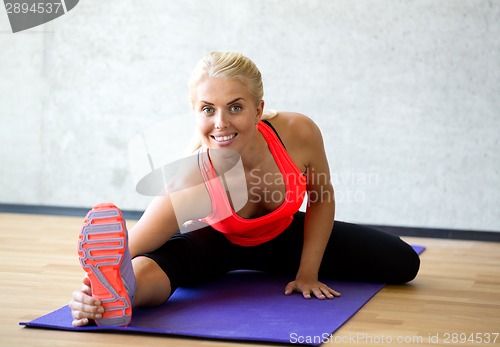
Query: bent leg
[353,253]
[359,253]
[153,285]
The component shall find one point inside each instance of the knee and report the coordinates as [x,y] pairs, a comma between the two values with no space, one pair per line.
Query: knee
[153,285]
[406,267]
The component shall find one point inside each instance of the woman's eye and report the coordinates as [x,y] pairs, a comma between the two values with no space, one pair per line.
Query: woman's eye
[235,108]
[207,110]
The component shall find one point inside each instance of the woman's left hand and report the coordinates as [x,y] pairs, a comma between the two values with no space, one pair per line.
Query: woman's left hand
[306,286]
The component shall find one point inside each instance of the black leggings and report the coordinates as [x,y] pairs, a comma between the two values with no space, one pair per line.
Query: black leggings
[354,253]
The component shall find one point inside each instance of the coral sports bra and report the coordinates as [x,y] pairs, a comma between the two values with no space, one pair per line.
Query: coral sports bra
[254,231]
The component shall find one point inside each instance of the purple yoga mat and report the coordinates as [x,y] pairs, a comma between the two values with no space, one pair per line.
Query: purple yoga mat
[243,305]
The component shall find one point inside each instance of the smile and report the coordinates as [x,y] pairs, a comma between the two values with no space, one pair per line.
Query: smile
[224,138]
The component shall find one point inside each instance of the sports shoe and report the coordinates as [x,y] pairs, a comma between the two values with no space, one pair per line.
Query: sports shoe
[104,255]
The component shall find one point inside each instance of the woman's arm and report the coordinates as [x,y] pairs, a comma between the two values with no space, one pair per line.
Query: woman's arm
[156,226]
[319,213]
[187,200]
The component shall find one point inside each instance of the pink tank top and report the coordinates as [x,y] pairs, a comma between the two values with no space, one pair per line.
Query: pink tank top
[255,231]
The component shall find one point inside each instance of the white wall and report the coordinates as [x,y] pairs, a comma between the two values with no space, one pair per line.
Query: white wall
[406,92]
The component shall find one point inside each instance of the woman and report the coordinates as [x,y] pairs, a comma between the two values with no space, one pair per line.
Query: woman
[283,157]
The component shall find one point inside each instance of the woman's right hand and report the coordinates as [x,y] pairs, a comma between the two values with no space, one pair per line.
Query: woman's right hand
[83,307]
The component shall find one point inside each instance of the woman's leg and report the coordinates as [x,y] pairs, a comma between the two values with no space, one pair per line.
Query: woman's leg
[354,253]
[153,285]
[359,253]
[184,260]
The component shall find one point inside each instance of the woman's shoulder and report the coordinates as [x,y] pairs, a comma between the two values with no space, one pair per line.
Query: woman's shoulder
[300,135]
[295,125]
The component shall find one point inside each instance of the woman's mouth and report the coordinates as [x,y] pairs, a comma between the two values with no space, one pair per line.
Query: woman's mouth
[225,139]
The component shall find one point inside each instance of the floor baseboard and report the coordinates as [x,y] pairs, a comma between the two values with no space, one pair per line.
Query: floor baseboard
[453,234]
[59,210]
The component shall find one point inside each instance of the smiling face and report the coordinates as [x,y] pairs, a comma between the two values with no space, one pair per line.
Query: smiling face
[227,113]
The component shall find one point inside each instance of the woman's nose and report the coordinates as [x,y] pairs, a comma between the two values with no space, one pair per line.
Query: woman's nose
[220,120]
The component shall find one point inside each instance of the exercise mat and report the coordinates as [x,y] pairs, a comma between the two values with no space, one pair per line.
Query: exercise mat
[241,306]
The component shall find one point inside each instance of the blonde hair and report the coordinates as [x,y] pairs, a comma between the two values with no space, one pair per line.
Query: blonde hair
[229,65]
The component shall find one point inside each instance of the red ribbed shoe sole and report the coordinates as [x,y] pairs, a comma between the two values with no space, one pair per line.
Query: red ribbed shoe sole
[101,249]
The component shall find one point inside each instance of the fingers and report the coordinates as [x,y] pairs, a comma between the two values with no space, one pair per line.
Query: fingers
[334,293]
[79,322]
[319,290]
[84,298]
[80,311]
[84,308]
[290,287]
[323,292]
[306,292]
[86,286]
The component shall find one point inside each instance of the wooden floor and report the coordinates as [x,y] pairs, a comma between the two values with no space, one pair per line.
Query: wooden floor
[455,296]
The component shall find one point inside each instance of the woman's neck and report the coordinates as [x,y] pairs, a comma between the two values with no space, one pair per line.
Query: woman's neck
[253,153]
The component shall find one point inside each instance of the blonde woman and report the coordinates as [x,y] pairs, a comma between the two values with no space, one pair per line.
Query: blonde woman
[284,159]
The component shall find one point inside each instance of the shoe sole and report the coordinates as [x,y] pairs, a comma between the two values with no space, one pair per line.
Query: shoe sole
[101,248]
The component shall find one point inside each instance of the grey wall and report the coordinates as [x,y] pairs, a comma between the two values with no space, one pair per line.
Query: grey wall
[406,92]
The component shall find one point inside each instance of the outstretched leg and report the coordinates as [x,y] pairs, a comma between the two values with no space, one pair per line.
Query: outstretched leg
[153,285]
[115,279]
[104,255]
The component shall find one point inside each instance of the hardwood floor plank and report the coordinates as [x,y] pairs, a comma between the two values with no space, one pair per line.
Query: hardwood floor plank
[456,292]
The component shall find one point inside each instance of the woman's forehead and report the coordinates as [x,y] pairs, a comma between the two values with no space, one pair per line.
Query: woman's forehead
[221,89]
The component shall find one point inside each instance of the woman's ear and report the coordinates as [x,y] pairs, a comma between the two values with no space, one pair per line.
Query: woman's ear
[260,111]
